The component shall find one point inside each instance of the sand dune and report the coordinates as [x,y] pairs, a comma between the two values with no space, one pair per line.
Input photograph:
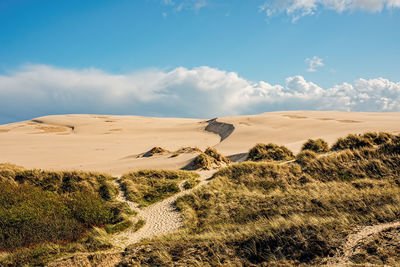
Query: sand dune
[292,128]
[112,143]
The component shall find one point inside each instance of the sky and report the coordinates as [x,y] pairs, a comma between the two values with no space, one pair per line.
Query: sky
[197,58]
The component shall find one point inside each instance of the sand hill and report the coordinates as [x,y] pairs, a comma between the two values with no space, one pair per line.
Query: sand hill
[116,144]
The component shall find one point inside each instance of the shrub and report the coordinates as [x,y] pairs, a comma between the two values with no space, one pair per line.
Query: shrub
[191,183]
[203,161]
[352,141]
[349,165]
[97,240]
[149,186]
[61,182]
[269,152]
[118,227]
[390,148]
[29,215]
[317,145]
[155,151]
[379,138]
[212,152]
[305,157]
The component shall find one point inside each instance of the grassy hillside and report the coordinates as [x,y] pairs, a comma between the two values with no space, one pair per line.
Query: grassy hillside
[275,209]
[149,186]
[266,213]
[44,214]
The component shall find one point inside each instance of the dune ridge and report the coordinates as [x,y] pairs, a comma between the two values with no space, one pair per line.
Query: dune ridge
[109,143]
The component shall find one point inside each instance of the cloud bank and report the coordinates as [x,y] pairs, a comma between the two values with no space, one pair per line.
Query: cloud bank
[300,8]
[38,90]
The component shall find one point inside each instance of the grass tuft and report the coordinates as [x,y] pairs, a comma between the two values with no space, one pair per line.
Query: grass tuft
[149,186]
[317,145]
[269,152]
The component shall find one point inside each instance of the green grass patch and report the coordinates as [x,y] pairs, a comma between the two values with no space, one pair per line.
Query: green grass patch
[146,187]
[189,184]
[140,223]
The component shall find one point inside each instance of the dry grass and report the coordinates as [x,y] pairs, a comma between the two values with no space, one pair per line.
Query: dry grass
[380,249]
[305,157]
[45,214]
[317,145]
[357,141]
[218,158]
[61,182]
[269,152]
[269,214]
[156,151]
[149,186]
[211,158]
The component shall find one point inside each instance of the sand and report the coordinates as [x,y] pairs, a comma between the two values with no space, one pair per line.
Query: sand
[348,249]
[113,144]
[160,218]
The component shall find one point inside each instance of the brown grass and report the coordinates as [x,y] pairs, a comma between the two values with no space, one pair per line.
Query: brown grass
[317,145]
[210,159]
[149,186]
[155,151]
[269,152]
[269,214]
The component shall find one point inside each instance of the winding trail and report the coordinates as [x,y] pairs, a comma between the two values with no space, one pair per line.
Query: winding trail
[160,218]
[355,239]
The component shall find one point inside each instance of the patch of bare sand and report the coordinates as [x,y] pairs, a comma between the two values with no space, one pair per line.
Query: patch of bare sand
[86,147]
[293,128]
[160,218]
[355,239]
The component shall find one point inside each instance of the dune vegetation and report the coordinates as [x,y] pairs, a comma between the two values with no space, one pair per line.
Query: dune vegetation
[209,159]
[275,209]
[318,145]
[263,213]
[149,186]
[44,214]
[269,152]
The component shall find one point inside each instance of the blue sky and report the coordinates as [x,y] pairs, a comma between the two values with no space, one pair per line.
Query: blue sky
[272,41]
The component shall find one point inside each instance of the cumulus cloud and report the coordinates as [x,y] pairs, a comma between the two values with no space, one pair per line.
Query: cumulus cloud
[314,63]
[300,8]
[38,90]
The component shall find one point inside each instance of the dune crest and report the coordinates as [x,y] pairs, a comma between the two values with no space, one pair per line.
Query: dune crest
[109,143]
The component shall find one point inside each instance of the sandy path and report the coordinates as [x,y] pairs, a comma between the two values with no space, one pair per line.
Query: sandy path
[355,239]
[161,218]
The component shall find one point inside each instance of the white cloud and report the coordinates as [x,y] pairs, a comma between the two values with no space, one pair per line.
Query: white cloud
[180,5]
[314,63]
[38,90]
[199,5]
[167,2]
[300,8]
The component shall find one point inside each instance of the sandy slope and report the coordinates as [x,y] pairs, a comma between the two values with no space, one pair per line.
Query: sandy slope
[355,239]
[160,218]
[111,143]
[101,143]
[292,128]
